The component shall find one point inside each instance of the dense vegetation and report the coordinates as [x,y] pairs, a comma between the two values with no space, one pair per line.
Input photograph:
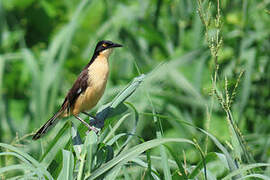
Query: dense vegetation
[200,111]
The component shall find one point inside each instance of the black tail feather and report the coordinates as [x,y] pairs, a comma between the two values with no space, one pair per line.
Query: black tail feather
[47,126]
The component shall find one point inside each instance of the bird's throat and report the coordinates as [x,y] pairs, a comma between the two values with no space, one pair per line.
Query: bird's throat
[106,53]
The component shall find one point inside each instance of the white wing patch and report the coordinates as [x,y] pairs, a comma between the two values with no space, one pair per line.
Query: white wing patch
[79,91]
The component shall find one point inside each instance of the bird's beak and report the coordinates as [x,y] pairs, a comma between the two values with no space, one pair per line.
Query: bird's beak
[114,45]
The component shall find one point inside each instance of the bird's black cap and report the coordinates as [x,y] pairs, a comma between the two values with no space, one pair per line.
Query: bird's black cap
[104,44]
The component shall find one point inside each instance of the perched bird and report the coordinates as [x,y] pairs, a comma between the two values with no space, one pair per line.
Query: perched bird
[87,89]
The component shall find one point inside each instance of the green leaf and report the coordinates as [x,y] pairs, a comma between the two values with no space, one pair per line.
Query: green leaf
[178,162]
[127,155]
[164,158]
[113,172]
[136,119]
[23,166]
[208,158]
[104,154]
[184,84]
[76,140]
[115,127]
[145,165]
[249,55]
[229,159]
[243,169]
[56,145]
[91,151]
[86,157]
[68,164]
[35,163]
[116,137]
[15,155]
[25,176]
[251,176]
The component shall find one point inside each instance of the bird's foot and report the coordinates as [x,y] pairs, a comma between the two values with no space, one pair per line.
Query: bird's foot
[93,129]
[87,125]
[96,124]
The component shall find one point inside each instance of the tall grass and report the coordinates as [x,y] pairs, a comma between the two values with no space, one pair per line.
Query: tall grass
[161,125]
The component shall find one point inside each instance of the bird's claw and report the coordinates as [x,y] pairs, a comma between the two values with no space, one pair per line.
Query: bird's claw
[93,129]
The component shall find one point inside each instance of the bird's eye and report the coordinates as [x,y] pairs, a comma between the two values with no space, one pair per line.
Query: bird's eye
[104,45]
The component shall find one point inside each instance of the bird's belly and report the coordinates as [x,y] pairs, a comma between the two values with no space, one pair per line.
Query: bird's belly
[92,96]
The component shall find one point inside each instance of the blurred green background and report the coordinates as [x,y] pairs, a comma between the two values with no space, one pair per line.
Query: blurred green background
[45,44]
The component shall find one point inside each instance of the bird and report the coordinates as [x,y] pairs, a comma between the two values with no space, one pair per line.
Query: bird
[86,90]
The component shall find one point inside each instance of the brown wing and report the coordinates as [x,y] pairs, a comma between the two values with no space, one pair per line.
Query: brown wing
[78,88]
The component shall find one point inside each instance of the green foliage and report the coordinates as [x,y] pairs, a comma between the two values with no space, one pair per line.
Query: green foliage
[169,127]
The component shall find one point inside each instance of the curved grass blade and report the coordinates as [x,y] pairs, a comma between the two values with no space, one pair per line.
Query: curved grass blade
[251,176]
[105,110]
[124,94]
[38,165]
[136,119]
[16,155]
[23,167]
[229,159]
[145,165]
[134,152]
[56,145]
[113,172]
[115,138]
[115,127]
[164,158]
[208,158]
[179,164]
[172,163]
[25,176]
[244,169]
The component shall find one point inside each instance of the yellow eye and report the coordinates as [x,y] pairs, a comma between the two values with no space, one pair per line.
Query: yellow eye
[104,45]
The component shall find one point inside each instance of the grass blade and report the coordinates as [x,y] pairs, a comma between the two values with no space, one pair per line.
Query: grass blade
[76,140]
[244,169]
[250,56]
[251,176]
[208,158]
[36,164]
[145,165]
[115,127]
[229,159]
[86,157]
[24,167]
[15,155]
[179,164]
[68,164]
[164,158]
[56,145]
[134,152]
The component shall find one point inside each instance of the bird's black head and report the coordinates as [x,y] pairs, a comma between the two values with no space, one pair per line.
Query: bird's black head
[103,45]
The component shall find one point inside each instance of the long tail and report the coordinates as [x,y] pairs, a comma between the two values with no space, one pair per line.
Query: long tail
[48,125]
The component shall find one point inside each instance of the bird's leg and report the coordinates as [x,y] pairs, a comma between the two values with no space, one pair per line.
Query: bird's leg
[86,124]
[94,117]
